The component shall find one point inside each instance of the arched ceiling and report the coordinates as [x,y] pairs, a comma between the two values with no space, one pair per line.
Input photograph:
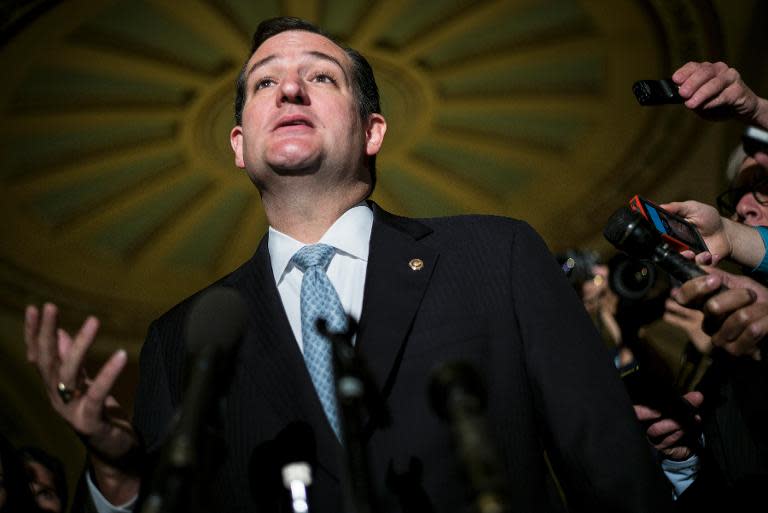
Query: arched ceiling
[119,193]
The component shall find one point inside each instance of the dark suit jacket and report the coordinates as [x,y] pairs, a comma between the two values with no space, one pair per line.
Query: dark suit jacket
[489,293]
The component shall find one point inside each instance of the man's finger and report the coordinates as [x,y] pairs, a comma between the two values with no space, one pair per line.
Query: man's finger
[644,413]
[98,391]
[684,72]
[703,84]
[743,330]
[667,441]
[695,291]
[694,398]
[725,92]
[64,343]
[695,75]
[48,350]
[72,363]
[676,308]
[728,301]
[704,258]
[662,428]
[695,81]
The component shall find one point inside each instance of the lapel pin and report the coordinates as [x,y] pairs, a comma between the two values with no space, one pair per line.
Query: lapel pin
[417,264]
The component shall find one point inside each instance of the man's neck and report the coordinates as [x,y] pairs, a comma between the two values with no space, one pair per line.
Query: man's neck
[307,218]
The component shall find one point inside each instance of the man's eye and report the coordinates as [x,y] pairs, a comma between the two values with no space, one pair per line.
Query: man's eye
[324,78]
[264,82]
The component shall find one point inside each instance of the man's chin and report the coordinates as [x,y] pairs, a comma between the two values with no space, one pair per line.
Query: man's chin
[294,163]
[294,169]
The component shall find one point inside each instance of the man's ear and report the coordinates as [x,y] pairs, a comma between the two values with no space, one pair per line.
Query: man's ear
[374,134]
[236,140]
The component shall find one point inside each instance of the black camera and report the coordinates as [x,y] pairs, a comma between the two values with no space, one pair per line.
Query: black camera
[631,278]
[642,289]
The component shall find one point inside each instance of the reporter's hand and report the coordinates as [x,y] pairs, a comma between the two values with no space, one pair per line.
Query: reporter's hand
[689,320]
[736,318]
[665,434]
[716,91]
[94,415]
[710,225]
[724,238]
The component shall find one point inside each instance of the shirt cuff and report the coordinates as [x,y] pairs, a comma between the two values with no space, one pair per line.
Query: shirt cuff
[102,504]
[681,473]
[762,267]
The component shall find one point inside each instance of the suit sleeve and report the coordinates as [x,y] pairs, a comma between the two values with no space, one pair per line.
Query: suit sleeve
[596,445]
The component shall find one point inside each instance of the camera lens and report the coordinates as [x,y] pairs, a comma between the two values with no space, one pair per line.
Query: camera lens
[631,278]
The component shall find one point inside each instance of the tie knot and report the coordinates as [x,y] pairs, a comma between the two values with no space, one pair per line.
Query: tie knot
[314,255]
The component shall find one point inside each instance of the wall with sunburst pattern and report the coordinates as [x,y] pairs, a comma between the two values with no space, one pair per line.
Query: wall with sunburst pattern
[119,193]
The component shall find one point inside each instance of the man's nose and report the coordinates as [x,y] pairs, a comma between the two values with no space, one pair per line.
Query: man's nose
[750,211]
[292,90]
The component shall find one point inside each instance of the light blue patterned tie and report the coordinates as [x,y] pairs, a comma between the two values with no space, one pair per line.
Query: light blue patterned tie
[320,300]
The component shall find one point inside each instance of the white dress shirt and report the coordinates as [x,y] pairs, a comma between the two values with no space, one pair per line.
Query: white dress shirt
[350,235]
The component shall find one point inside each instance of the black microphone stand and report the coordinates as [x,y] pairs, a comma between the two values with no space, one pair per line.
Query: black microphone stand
[458,395]
[359,399]
[186,453]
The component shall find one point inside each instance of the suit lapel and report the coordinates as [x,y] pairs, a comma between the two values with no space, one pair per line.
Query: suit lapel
[400,266]
[274,362]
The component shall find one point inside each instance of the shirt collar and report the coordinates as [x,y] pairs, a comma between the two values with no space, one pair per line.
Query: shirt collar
[350,234]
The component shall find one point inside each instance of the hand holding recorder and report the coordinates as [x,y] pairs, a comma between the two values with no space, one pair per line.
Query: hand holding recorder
[724,238]
[674,230]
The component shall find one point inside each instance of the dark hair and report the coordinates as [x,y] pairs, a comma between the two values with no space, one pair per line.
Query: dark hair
[15,480]
[363,80]
[54,465]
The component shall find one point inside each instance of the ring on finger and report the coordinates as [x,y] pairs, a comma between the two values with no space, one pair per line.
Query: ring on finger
[65,392]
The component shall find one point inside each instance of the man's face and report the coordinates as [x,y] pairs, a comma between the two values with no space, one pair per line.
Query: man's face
[752,207]
[44,488]
[300,114]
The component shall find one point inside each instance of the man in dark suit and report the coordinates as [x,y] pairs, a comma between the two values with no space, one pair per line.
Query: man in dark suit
[482,290]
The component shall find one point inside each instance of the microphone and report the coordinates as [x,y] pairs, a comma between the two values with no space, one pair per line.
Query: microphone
[296,477]
[215,325]
[357,395]
[284,461]
[458,395]
[630,232]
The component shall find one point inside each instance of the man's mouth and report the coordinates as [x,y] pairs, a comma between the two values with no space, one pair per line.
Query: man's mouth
[294,121]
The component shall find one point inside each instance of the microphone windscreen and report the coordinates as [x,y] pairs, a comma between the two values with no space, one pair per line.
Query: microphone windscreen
[218,317]
[616,227]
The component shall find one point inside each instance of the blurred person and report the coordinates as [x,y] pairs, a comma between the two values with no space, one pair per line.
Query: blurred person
[48,479]
[15,492]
